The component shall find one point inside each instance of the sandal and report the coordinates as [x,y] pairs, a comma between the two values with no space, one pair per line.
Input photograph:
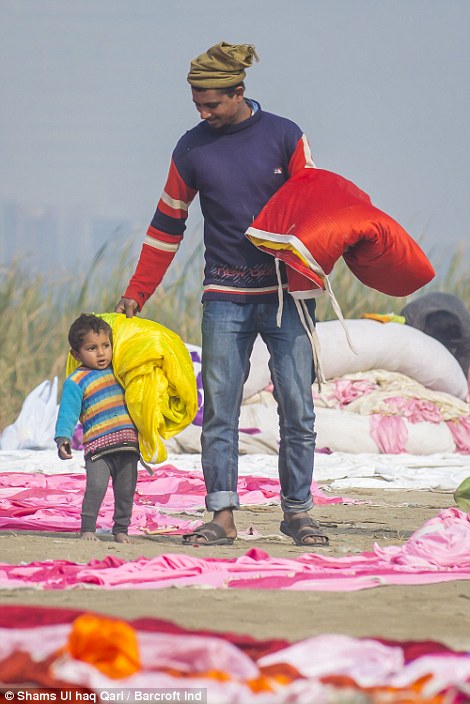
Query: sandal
[304,527]
[212,534]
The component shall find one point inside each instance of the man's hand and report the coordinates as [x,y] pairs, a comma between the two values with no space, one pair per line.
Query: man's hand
[127,306]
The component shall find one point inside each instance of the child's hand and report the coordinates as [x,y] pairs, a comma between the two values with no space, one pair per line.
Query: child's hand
[65,451]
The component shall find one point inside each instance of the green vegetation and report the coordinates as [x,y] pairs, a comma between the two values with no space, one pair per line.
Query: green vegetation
[36,314]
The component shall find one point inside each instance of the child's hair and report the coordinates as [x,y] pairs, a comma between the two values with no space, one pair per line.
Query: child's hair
[85,323]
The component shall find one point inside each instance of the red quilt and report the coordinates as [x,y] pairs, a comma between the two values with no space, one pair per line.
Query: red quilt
[319,216]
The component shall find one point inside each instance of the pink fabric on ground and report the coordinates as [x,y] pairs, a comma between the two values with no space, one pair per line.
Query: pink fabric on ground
[175,658]
[347,390]
[370,663]
[367,661]
[439,551]
[53,502]
[414,410]
[389,433]
[442,543]
[460,429]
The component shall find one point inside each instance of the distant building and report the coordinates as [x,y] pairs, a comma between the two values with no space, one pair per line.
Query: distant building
[50,239]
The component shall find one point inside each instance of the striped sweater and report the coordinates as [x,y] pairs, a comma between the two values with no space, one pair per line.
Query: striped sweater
[235,170]
[95,397]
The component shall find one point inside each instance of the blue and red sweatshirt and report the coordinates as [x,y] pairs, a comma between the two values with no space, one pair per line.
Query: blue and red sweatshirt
[235,170]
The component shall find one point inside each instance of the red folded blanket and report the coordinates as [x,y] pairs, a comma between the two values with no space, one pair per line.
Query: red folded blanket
[319,216]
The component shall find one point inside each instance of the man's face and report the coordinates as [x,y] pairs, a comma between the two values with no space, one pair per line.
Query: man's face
[219,109]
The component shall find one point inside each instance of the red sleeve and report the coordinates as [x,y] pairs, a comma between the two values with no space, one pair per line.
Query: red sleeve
[302,157]
[163,237]
[156,256]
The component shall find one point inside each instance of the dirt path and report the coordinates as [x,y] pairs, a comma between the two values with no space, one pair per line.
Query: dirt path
[438,612]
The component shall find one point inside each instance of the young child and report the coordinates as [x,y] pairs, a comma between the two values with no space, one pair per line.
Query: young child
[111,447]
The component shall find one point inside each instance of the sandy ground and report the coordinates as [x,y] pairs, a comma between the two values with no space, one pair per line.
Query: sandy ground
[438,612]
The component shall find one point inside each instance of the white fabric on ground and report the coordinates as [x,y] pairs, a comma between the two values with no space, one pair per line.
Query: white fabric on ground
[440,472]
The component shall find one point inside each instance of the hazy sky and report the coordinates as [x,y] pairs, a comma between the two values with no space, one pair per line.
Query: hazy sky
[94,97]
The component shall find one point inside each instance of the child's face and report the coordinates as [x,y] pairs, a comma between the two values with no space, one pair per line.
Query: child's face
[96,351]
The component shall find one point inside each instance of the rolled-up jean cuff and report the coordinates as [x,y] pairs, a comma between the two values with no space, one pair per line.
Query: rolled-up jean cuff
[222,499]
[292,506]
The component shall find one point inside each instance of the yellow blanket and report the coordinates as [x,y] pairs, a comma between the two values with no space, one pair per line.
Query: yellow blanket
[154,366]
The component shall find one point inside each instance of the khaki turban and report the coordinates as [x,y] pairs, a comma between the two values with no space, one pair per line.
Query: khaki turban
[221,66]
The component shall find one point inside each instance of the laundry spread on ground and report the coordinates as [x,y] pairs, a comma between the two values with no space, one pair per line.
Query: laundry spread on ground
[52,502]
[60,649]
[334,470]
[439,551]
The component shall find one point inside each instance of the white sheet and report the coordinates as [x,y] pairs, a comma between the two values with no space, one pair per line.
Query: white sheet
[440,472]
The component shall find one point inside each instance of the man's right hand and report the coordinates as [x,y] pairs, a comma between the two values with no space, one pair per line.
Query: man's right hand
[127,306]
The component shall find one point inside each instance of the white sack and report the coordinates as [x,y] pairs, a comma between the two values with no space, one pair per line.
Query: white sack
[259,376]
[35,425]
[391,346]
[261,416]
[341,431]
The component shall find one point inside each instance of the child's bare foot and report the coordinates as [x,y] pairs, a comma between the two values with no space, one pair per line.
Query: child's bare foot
[88,535]
[122,538]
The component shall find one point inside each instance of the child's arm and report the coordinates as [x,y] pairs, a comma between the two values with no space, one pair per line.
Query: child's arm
[69,413]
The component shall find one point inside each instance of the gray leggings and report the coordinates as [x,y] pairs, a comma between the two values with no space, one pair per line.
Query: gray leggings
[122,468]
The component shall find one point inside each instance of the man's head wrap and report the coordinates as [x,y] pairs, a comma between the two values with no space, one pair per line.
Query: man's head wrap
[221,66]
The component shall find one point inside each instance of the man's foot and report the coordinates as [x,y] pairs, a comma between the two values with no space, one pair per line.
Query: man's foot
[303,530]
[122,538]
[220,531]
[88,535]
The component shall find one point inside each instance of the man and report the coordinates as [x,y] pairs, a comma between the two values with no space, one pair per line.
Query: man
[236,158]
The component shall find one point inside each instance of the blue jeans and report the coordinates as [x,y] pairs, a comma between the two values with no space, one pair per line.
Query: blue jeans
[229,331]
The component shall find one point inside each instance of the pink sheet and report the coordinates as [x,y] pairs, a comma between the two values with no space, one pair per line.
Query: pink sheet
[53,502]
[437,552]
[347,390]
[460,429]
[389,433]
[224,666]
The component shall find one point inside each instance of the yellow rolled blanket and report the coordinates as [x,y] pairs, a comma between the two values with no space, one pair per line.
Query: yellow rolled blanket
[154,366]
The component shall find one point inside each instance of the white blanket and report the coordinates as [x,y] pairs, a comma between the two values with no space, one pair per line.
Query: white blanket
[440,472]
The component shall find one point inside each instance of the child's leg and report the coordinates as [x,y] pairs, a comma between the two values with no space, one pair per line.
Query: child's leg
[124,476]
[97,479]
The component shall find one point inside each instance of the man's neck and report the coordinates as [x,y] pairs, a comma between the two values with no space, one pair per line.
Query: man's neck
[244,114]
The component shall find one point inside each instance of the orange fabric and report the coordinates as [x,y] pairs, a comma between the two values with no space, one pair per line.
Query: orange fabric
[271,677]
[108,644]
[20,667]
[205,674]
[385,317]
[331,217]
[409,694]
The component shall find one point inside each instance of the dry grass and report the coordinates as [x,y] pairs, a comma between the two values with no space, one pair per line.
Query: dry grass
[36,314]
